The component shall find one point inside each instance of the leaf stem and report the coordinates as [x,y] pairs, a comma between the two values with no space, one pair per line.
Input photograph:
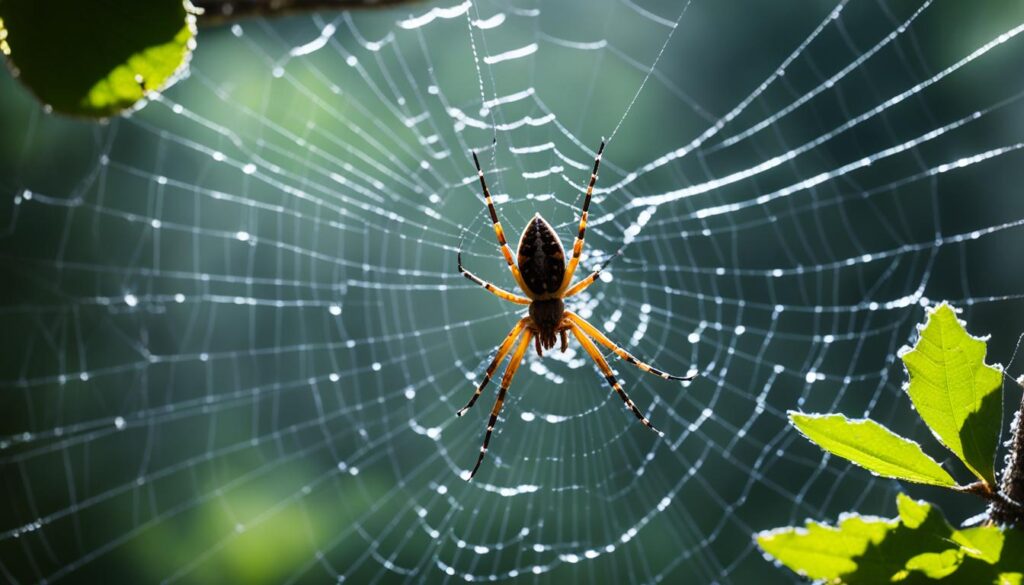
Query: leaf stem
[980,489]
[1002,509]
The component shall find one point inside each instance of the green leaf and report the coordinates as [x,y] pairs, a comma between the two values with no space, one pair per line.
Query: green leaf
[872,446]
[936,565]
[955,392]
[981,542]
[913,513]
[917,547]
[820,551]
[95,58]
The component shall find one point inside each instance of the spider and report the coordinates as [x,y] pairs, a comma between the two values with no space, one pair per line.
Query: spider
[541,273]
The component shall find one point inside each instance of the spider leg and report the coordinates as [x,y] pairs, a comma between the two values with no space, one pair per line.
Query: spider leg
[583,284]
[600,337]
[595,355]
[498,231]
[577,247]
[496,291]
[510,371]
[503,350]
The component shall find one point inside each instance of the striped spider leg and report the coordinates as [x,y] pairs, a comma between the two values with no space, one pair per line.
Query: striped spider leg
[494,290]
[499,357]
[592,351]
[498,230]
[577,246]
[596,334]
[506,380]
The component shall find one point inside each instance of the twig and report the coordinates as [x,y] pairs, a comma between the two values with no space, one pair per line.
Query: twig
[221,11]
[1011,512]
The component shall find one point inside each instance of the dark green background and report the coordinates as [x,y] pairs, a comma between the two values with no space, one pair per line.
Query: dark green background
[226,468]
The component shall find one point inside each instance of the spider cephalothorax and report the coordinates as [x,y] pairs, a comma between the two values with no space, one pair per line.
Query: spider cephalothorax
[548,318]
[541,272]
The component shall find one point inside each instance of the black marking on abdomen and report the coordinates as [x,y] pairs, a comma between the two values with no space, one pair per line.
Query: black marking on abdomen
[541,257]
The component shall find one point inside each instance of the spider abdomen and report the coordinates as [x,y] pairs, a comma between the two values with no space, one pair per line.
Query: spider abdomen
[541,257]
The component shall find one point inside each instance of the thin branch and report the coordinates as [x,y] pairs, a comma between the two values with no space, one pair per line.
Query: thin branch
[222,11]
[982,490]
[1012,487]
[1001,510]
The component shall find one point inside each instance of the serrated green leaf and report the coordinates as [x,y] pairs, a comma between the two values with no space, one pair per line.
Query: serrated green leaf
[917,547]
[95,58]
[872,446]
[982,542]
[955,392]
[820,551]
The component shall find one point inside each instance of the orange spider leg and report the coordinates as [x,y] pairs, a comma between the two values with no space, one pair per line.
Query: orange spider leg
[503,350]
[577,247]
[583,284]
[496,291]
[600,337]
[595,355]
[510,371]
[498,231]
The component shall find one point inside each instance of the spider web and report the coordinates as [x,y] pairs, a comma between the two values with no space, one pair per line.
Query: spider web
[234,335]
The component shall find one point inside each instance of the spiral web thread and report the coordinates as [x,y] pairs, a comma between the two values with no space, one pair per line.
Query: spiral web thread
[240,320]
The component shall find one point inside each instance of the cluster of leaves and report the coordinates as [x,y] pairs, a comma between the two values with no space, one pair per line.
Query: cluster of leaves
[918,546]
[958,396]
[954,391]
